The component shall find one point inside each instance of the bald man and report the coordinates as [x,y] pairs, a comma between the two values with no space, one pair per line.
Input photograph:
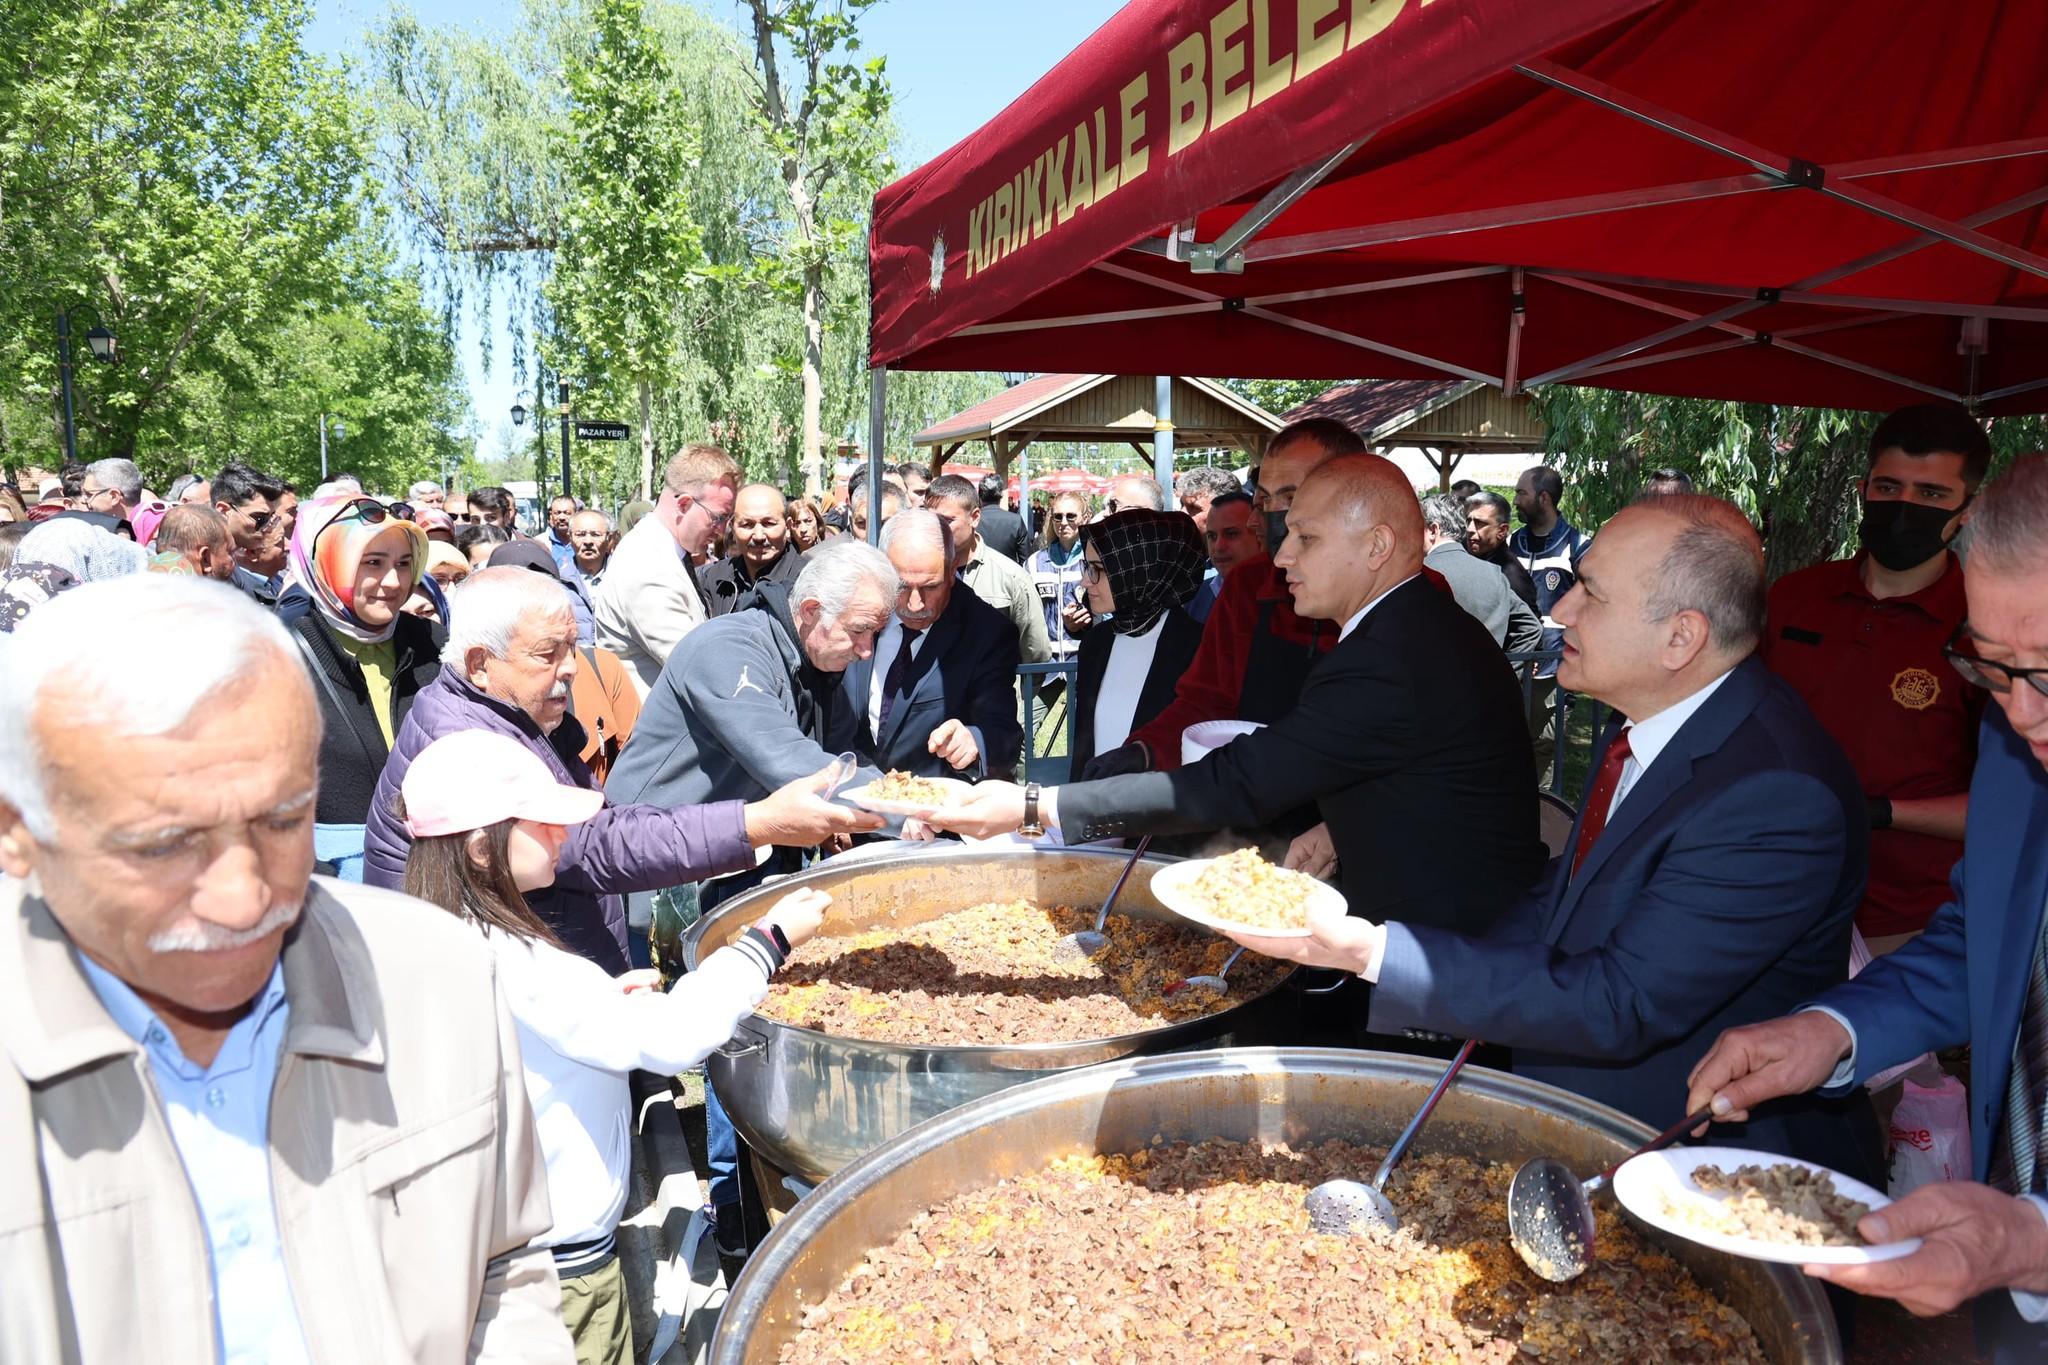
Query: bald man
[758,552]
[1409,736]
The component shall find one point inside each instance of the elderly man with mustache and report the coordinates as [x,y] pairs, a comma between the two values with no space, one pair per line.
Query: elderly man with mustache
[507,668]
[244,1113]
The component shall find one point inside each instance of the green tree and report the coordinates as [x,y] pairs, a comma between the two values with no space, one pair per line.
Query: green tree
[630,249]
[827,131]
[1793,470]
[185,173]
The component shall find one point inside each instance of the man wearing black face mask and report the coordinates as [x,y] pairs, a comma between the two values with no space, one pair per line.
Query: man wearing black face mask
[1255,651]
[1861,640]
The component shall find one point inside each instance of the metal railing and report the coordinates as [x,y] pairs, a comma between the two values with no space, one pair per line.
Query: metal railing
[1576,728]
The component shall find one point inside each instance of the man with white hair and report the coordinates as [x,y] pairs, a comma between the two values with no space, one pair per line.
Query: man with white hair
[650,598]
[112,487]
[426,493]
[747,704]
[1480,589]
[172,976]
[507,668]
[939,696]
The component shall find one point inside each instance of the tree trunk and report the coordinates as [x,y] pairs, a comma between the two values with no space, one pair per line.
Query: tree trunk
[646,440]
[814,379]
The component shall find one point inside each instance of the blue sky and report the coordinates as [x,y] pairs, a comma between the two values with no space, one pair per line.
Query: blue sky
[954,65]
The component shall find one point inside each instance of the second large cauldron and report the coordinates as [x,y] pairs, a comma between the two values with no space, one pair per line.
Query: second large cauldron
[811,1102]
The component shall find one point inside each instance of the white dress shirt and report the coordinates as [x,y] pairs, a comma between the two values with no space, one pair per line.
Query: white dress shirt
[1649,737]
[887,646]
[1361,613]
[1123,678]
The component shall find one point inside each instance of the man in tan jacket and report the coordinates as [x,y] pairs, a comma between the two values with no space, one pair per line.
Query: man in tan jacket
[649,599]
[244,1115]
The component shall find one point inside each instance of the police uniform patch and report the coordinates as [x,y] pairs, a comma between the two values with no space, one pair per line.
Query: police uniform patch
[1916,689]
[1551,579]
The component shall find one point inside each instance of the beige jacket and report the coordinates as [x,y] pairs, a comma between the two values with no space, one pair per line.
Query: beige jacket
[648,601]
[407,1177]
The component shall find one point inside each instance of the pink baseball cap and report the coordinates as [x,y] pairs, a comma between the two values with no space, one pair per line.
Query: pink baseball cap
[472,779]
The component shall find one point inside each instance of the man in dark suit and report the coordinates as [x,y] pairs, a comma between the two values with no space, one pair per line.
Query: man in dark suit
[1710,878]
[938,696]
[1001,529]
[1408,736]
[1978,975]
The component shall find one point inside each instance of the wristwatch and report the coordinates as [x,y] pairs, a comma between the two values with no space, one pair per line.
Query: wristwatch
[1034,824]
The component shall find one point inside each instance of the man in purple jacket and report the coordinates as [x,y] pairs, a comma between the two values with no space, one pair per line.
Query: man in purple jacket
[510,657]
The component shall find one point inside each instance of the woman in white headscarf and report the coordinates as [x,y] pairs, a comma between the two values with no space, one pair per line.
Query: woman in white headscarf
[82,549]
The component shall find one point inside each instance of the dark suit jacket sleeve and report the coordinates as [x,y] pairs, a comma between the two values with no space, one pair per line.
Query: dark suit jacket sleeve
[1914,1000]
[991,709]
[1748,875]
[1353,723]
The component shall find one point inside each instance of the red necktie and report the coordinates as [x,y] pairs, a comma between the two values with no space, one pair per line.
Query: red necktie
[1600,797]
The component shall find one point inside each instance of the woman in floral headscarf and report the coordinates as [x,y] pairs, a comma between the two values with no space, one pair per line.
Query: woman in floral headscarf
[1139,568]
[352,567]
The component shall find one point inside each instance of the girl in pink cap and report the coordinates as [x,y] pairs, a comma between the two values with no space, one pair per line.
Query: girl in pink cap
[488,821]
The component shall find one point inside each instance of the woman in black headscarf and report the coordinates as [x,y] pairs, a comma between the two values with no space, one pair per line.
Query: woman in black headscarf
[1139,570]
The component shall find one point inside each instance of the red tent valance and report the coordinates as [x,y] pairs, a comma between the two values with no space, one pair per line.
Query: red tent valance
[1804,201]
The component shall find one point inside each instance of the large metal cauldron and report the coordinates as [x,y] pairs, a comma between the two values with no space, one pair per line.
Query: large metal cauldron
[1294,1095]
[810,1102]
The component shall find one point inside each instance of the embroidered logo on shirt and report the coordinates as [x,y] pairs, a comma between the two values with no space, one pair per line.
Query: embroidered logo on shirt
[747,682]
[1916,689]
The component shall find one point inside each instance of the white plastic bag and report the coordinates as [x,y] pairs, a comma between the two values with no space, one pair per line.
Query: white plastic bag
[1930,1135]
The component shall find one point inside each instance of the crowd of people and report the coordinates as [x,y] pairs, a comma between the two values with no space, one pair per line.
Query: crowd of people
[233,1078]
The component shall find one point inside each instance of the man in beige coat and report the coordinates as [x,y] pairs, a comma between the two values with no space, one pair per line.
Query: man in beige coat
[244,1115]
[649,599]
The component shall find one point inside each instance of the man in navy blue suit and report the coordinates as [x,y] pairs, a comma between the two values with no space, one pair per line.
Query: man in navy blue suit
[1712,874]
[939,696]
[1978,975]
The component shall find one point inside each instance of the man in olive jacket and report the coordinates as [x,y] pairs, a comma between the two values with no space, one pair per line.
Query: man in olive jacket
[244,1114]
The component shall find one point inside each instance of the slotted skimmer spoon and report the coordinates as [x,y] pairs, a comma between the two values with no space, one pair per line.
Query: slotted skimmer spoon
[1088,942]
[1348,1208]
[1550,1211]
[1211,982]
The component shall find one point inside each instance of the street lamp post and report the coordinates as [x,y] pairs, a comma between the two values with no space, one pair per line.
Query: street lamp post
[104,347]
[564,395]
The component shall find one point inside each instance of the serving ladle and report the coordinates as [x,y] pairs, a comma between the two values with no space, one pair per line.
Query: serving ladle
[1079,947]
[1347,1208]
[1211,982]
[1550,1210]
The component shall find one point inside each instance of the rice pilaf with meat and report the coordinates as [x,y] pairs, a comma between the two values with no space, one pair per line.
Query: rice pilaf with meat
[1203,1251]
[991,974]
[1243,888]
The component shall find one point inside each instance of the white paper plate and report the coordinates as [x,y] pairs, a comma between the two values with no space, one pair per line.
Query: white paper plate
[1650,1184]
[956,791]
[1204,737]
[1173,887]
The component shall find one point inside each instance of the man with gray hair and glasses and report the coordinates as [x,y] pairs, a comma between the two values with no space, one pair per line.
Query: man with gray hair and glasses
[172,977]
[746,704]
[1978,975]
[1710,878]
[113,487]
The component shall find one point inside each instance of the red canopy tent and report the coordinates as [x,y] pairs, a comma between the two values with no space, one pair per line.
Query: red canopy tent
[1801,202]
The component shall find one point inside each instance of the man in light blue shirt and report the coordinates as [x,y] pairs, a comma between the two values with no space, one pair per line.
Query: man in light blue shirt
[219,1116]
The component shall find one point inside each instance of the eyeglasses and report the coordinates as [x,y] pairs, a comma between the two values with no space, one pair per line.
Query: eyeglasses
[1066,516]
[1091,569]
[470,518]
[366,510]
[1993,677]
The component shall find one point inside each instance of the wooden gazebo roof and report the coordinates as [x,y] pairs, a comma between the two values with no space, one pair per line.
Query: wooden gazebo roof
[1103,408]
